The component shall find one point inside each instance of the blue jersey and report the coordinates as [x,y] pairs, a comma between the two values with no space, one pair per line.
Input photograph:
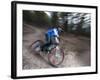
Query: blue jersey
[52,32]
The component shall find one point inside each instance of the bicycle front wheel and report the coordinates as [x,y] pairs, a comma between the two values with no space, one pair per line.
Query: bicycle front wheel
[56,57]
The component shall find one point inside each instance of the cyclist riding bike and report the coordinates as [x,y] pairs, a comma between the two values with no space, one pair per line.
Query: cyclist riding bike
[52,37]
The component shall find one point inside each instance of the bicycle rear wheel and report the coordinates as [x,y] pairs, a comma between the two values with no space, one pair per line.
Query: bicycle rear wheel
[36,46]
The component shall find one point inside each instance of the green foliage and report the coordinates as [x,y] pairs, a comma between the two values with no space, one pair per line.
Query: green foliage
[67,19]
[36,17]
[27,16]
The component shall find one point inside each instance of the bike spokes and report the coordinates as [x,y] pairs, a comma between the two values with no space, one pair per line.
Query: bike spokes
[56,57]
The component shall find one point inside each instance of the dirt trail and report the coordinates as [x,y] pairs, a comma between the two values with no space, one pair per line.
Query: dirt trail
[76,48]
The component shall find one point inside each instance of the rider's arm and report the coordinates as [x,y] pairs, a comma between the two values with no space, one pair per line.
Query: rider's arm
[56,32]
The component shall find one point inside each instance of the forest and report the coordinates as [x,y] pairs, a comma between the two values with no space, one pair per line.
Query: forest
[77,23]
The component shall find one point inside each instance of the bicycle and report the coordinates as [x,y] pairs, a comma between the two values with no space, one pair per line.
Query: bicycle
[54,52]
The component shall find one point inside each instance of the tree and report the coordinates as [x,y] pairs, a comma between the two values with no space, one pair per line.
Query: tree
[54,19]
[64,17]
[80,24]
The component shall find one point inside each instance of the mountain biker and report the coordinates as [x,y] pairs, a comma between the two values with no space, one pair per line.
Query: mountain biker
[52,36]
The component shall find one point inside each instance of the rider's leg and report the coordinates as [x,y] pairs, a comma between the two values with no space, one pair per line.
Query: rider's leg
[47,39]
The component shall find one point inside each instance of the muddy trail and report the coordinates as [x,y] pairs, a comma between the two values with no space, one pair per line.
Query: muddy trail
[76,48]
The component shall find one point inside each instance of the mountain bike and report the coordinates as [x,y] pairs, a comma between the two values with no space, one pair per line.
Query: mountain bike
[54,52]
